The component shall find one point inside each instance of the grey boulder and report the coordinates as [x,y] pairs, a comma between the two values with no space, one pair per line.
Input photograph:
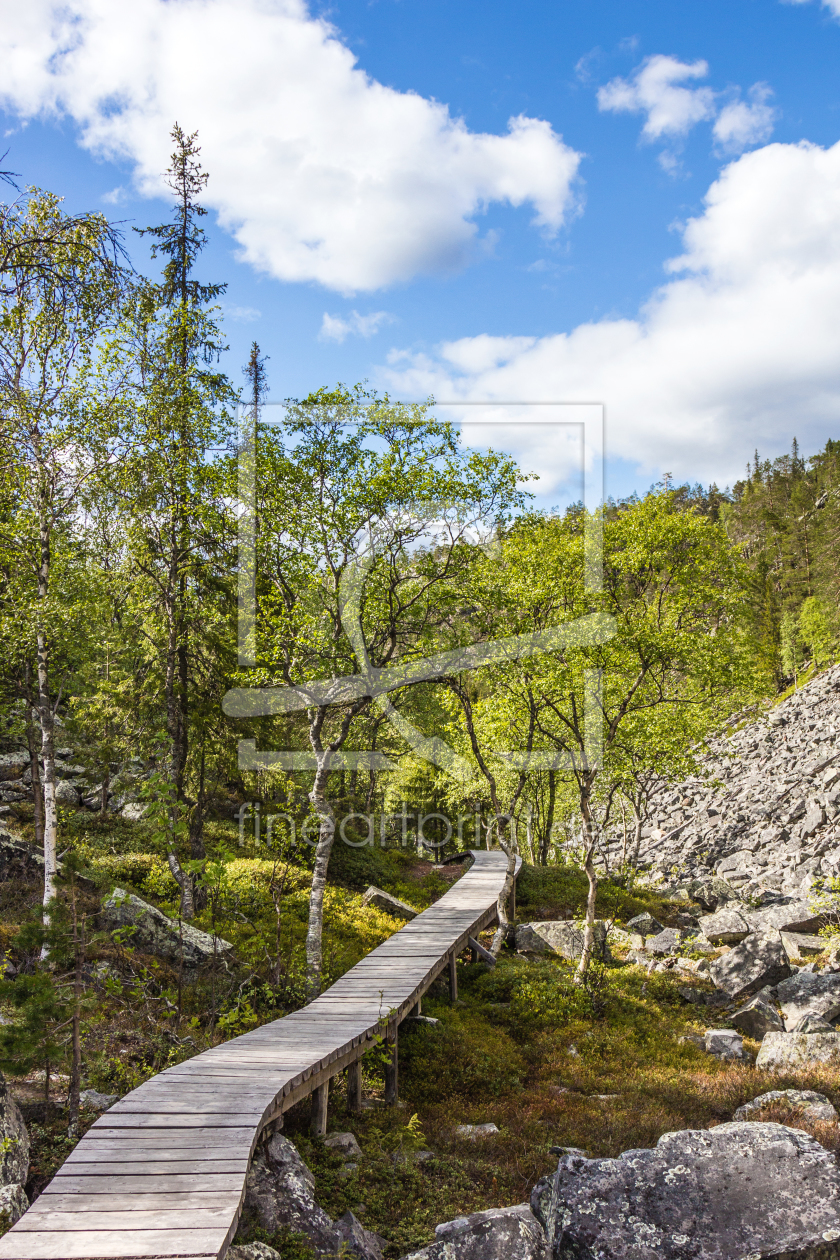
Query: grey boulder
[12,765]
[789,1051]
[345,1144]
[252,1251]
[280,1194]
[800,945]
[724,1043]
[153,933]
[757,962]
[644,925]
[94,1101]
[18,858]
[65,793]
[559,936]
[809,993]
[785,914]
[13,1204]
[758,1016]
[725,927]
[382,900]
[14,1141]
[665,942]
[737,1190]
[810,1104]
[811,1023]
[498,1234]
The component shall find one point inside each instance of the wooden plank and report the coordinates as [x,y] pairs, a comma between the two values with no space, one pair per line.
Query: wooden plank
[112,1244]
[131,1218]
[115,1202]
[165,1183]
[153,1167]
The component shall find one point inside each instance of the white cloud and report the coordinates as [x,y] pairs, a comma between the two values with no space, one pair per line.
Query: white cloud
[738,125]
[737,349]
[671,110]
[320,172]
[242,314]
[336,328]
[833,5]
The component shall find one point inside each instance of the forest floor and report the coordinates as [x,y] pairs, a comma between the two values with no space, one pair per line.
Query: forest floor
[602,1068]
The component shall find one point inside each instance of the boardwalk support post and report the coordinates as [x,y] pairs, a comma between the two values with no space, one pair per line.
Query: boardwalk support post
[479,952]
[318,1124]
[392,1069]
[354,1086]
[417,1008]
[453,978]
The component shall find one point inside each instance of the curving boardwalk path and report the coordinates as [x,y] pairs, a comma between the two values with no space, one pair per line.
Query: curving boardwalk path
[162,1173]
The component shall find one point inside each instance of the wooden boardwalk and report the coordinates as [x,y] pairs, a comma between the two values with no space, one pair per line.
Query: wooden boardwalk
[162,1173]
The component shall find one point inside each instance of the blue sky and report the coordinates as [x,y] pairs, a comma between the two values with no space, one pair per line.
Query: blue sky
[387,211]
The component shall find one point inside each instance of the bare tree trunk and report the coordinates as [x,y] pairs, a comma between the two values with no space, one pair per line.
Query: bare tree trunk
[590,835]
[47,717]
[326,835]
[76,1065]
[186,883]
[34,764]
[545,839]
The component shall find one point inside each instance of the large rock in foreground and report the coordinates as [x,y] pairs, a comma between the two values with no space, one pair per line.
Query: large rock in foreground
[381,900]
[757,962]
[559,936]
[738,1190]
[498,1234]
[809,993]
[788,1051]
[153,933]
[14,1141]
[280,1194]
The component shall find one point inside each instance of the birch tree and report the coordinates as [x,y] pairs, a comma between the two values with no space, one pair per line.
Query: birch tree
[60,410]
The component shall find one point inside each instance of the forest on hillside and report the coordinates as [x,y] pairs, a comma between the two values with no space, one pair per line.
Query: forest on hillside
[342,625]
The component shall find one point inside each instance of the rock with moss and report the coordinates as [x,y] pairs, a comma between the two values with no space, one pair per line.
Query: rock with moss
[152,932]
[13,1204]
[806,1102]
[499,1234]
[809,993]
[14,1141]
[758,962]
[280,1195]
[758,1190]
[758,1016]
[559,936]
[381,900]
[791,1052]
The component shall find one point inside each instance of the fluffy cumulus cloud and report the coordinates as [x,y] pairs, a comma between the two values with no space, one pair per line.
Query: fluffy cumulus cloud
[320,172]
[737,349]
[833,5]
[338,327]
[658,90]
[743,123]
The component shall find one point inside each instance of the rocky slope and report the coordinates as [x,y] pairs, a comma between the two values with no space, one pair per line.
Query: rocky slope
[765,816]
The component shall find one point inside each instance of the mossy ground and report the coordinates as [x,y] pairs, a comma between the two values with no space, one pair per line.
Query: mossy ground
[550,1063]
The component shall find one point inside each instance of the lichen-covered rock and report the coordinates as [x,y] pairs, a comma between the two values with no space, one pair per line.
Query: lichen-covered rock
[806,1102]
[65,793]
[758,1017]
[786,1051]
[809,993]
[738,1190]
[665,942]
[757,962]
[801,945]
[280,1193]
[12,765]
[154,933]
[724,1043]
[13,1204]
[559,936]
[785,914]
[18,858]
[644,925]
[14,1141]
[498,1234]
[725,927]
[252,1251]
[345,1144]
[382,900]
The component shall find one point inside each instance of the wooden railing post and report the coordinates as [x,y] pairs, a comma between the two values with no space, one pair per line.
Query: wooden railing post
[354,1086]
[453,978]
[392,1069]
[318,1125]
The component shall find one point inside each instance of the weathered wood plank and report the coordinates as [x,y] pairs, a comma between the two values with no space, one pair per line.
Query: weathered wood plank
[164,1183]
[112,1244]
